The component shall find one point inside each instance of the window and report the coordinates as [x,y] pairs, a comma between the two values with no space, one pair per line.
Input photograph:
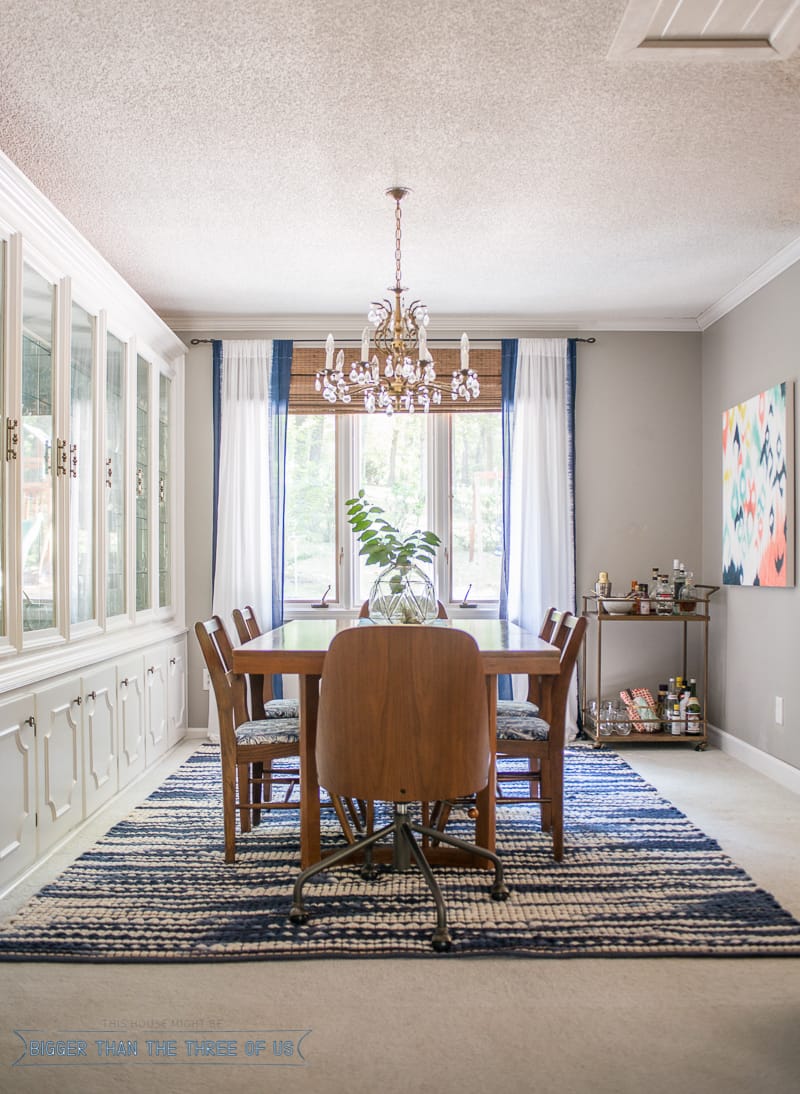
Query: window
[310,519]
[437,471]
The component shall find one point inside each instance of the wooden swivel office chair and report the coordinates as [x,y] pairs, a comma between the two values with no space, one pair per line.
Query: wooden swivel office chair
[540,738]
[402,718]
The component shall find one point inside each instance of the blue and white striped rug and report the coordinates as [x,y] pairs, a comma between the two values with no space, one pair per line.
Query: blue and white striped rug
[638,879]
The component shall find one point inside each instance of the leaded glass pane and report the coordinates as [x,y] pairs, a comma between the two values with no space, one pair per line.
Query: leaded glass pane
[36,453]
[114,477]
[81,467]
[164,539]
[142,484]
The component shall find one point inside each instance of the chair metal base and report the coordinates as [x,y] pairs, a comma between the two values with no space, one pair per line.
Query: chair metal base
[403,829]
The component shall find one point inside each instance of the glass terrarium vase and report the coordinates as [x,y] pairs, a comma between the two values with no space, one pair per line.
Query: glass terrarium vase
[402,594]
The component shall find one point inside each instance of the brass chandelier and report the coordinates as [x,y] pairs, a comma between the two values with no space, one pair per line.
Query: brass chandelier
[407,380]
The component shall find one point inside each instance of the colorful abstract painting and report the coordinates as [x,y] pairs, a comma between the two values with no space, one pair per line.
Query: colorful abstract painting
[758,489]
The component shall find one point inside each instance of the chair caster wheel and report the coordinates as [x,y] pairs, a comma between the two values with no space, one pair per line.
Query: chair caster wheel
[298,915]
[369,873]
[441,941]
[500,892]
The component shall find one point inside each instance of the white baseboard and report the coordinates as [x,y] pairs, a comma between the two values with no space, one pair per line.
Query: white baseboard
[771,766]
[199,734]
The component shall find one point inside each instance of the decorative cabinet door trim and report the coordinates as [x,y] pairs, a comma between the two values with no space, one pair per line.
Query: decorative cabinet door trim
[59,798]
[99,690]
[17,786]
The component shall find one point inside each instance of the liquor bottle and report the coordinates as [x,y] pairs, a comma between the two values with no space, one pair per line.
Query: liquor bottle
[675,725]
[694,711]
[678,577]
[688,598]
[661,703]
[663,596]
[643,600]
[684,709]
[670,701]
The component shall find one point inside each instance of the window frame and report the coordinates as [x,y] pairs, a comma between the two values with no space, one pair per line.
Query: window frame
[344,599]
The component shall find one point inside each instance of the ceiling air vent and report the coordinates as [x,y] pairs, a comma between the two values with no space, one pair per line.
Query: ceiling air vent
[730,30]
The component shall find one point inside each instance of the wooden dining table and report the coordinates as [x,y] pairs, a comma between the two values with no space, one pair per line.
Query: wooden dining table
[299,648]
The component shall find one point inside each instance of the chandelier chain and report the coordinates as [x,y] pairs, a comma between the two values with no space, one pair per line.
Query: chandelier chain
[397,235]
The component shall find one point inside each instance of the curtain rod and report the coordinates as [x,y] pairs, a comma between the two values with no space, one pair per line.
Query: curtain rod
[318,342]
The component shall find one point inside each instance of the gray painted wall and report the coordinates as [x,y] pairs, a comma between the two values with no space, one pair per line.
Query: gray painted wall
[756,631]
[638,489]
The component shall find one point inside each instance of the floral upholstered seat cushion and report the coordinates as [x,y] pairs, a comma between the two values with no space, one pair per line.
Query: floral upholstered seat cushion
[273,731]
[282,708]
[519,721]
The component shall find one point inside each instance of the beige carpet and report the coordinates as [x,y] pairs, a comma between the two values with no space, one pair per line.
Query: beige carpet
[722,1026]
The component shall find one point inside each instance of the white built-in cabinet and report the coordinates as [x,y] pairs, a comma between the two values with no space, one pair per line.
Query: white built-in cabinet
[92,630]
[67,747]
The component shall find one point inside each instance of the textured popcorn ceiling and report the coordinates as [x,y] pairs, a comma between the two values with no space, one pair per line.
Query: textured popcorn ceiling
[230,158]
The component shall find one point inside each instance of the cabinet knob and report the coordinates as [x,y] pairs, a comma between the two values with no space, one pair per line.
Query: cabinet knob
[151,670]
[30,722]
[92,695]
[124,683]
[78,701]
[173,660]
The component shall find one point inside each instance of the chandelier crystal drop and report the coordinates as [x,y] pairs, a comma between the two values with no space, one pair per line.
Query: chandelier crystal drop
[407,378]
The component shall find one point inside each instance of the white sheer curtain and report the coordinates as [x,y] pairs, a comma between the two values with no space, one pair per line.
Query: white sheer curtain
[541,556]
[243,572]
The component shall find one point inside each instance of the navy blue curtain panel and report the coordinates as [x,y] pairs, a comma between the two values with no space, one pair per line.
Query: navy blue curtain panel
[216,402]
[508,381]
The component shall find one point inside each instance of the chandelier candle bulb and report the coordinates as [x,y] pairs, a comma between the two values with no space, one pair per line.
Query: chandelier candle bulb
[365,345]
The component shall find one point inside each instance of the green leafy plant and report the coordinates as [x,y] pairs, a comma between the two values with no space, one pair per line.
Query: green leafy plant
[382,543]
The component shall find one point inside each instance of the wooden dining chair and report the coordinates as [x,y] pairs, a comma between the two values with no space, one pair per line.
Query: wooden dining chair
[248,746]
[262,703]
[539,739]
[551,631]
[402,718]
[244,741]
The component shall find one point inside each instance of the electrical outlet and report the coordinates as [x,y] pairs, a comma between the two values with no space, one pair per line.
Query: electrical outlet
[778,710]
[206,680]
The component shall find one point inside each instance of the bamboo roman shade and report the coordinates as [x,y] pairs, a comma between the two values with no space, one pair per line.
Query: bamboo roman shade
[308,360]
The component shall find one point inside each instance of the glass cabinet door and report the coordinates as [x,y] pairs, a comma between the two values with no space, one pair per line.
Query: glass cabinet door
[114,477]
[9,430]
[81,468]
[36,455]
[142,484]
[164,539]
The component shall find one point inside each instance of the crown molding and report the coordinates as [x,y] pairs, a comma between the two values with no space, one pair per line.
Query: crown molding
[48,235]
[757,280]
[444,326]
